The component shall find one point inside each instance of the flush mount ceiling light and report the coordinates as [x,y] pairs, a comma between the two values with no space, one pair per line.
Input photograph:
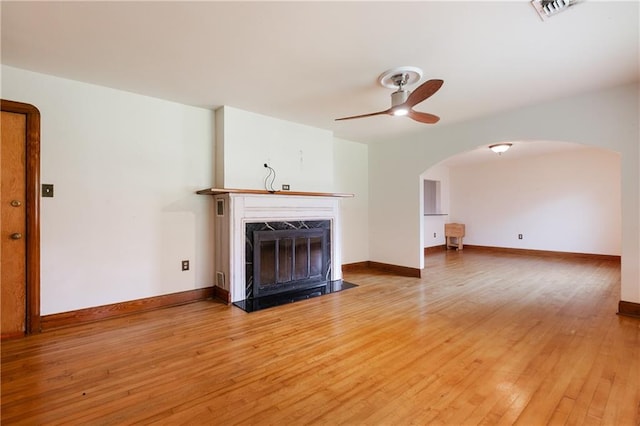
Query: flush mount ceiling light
[499,148]
[548,8]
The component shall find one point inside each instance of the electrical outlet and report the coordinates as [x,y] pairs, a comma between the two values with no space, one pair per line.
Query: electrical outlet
[285,187]
[434,235]
[220,279]
[185,265]
[519,236]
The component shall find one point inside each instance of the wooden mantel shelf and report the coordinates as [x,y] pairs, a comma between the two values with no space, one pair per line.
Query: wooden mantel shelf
[216,191]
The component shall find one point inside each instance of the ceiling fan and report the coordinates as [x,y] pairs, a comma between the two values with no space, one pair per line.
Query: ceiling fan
[403,100]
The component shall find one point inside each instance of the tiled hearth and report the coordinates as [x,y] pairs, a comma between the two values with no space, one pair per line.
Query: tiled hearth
[252,305]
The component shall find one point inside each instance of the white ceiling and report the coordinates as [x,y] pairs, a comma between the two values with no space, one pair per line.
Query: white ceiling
[311,62]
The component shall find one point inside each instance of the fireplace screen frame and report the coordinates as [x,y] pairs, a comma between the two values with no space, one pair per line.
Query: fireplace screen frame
[278,236]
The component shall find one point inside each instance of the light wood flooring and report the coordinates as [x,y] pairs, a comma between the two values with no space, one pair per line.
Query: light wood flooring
[483,338]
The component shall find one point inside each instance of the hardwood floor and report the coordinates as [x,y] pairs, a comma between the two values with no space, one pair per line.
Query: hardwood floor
[480,339]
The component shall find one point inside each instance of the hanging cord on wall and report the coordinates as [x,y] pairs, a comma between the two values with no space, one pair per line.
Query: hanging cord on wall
[268,181]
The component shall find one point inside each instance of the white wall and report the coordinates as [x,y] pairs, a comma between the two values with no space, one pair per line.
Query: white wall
[567,201]
[125,213]
[351,176]
[608,119]
[302,156]
[125,169]
[306,158]
[434,225]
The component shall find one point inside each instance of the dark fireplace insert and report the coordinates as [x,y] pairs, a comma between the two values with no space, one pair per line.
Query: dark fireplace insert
[287,256]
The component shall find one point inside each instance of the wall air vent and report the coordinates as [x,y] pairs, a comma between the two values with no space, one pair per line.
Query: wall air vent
[549,8]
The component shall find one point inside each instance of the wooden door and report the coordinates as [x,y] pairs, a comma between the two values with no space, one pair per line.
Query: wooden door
[19,220]
[13,271]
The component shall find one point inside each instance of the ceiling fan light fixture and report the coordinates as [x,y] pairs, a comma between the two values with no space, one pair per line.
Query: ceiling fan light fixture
[499,148]
[398,99]
[400,111]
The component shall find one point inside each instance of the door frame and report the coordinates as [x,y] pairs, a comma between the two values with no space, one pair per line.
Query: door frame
[32,206]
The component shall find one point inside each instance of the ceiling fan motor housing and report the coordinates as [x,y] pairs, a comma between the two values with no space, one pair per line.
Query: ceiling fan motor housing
[399,97]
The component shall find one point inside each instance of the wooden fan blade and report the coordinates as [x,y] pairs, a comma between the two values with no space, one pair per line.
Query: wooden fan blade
[423,91]
[423,117]
[388,111]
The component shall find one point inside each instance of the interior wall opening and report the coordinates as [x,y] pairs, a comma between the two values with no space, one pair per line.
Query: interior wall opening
[539,195]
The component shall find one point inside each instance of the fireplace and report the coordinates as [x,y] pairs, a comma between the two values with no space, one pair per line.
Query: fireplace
[286,256]
[314,221]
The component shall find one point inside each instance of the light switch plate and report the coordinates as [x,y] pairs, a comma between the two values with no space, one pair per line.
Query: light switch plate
[47,190]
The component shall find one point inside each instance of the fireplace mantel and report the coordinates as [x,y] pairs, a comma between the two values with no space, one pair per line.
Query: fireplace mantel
[234,208]
[217,191]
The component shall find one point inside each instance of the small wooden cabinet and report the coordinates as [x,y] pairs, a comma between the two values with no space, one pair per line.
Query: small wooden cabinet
[454,233]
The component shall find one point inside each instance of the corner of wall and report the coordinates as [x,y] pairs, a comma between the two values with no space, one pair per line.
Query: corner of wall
[219,147]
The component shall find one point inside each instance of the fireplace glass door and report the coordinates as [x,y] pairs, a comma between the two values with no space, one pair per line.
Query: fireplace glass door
[289,259]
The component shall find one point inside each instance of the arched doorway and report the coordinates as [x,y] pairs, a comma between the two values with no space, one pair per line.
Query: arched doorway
[540,195]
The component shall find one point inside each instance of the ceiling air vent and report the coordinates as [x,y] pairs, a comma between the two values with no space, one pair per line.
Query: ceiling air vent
[548,8]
